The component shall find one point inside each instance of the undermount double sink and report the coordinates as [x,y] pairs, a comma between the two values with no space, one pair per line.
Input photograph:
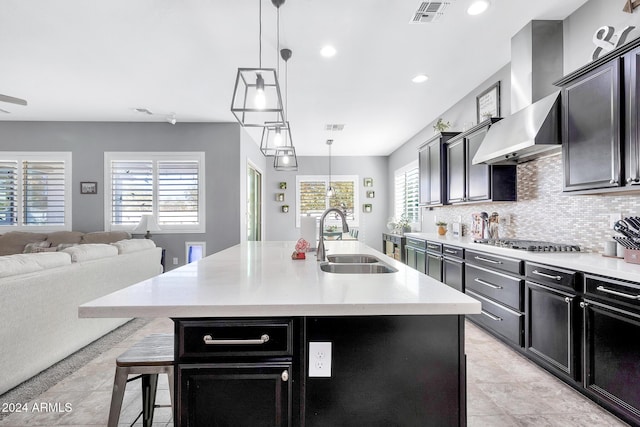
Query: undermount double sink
[355,264]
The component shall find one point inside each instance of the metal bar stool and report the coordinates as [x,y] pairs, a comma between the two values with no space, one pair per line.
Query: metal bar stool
[147,358]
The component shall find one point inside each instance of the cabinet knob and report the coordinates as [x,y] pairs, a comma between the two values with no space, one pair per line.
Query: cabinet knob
[285,375]
[630,180]
[583,304]
[567,300]
[613,181]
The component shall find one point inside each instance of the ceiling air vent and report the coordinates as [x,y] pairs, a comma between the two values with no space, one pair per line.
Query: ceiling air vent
[334,127]
[429,11]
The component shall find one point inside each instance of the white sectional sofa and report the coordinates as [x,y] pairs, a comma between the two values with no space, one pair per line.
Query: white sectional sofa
[40,294]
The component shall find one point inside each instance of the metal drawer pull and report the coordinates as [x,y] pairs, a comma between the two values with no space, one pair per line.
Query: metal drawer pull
[491,285]
[620,294]
[285,376]
[492,261]
[449,251]
[208,339]
[491,316]
[548,276]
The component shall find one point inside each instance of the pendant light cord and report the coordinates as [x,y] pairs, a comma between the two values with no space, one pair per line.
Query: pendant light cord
[260,33]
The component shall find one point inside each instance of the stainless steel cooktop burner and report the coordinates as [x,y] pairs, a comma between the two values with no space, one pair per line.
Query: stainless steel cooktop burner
[530,245]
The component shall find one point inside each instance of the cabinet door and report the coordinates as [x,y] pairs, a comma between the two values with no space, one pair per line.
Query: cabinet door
[453,273]
[591,129]
[241,394]
[632,129]
[550,328]
[612,365]
[478,180]
[410,257]
[434,266]
[421,261]
[435,169]
[455,172]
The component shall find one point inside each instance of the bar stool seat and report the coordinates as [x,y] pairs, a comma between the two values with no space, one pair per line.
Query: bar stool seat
[147,358]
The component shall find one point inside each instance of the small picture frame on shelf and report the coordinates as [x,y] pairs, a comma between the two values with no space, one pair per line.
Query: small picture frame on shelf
[367,208]
[488,103]
[280,197]
[371,194]
[283,185]
[284,208]
[88,187]
[368,182]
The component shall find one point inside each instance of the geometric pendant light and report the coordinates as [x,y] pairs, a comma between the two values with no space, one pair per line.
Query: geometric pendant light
[285,154]
[256,94]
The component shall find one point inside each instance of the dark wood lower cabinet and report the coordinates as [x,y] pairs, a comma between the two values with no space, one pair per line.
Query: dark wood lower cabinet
[550,333]
[434,265]
[612,358]
[453,273]
[228,394]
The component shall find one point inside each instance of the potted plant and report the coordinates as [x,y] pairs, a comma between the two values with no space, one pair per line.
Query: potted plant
[441,125]
[403,225]
[442,228]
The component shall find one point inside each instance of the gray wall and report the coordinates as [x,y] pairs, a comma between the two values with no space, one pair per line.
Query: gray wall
[581,25]
[282,226]
[89,140]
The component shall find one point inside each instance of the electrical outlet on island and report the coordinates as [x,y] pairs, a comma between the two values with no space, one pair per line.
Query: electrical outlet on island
[320,359]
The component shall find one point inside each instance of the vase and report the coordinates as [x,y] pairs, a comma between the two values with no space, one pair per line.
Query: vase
[442,230]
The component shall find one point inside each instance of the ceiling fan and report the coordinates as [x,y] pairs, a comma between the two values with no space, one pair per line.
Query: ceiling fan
[11,100]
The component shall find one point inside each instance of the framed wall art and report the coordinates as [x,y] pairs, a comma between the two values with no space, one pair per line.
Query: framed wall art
[87,187]
[488,103]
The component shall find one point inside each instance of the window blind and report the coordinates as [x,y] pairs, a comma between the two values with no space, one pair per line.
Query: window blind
[43,192]
[178,201]
[8,192]
[131,191]
[407,193]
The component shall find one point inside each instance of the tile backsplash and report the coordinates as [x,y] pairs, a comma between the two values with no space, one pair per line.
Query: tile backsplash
[544,212]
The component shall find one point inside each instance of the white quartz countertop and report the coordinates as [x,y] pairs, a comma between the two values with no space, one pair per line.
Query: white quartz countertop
[260,279]
[587,262]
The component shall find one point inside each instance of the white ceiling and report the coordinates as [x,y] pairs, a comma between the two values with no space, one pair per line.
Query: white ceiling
[82,60]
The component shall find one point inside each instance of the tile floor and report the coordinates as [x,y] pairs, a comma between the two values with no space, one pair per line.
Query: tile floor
[504,389]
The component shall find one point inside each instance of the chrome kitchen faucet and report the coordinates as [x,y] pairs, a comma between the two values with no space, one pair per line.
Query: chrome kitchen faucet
[345,229]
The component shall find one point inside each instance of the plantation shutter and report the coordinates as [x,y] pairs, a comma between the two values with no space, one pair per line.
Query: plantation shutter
[178,192]
[43,185]
[8,192]
[407,193]
[132,191]
[313,197]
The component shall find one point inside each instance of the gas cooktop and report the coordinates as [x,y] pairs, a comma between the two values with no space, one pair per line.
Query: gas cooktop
[530,245]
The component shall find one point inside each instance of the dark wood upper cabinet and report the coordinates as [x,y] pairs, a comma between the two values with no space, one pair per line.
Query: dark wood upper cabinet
[601,123]
[631,63]
[466,182]
[591,129]
[432,160]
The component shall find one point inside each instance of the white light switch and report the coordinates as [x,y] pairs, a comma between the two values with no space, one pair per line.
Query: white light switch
[319,359]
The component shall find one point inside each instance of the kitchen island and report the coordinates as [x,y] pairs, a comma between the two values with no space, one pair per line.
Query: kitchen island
[262,339]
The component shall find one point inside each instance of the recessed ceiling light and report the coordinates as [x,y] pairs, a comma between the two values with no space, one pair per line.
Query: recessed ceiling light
[477,7]
[328,51]
[420,78]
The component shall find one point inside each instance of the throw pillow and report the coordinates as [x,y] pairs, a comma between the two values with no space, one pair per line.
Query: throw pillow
[32,247]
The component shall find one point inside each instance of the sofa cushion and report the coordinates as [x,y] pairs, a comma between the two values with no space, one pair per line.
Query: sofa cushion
[14,242]
[68,237]
[134,245]
[12,265]
[34,246]
[91,251]
[105,236]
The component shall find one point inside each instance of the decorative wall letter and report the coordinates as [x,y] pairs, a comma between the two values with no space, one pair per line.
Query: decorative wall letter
[606,38]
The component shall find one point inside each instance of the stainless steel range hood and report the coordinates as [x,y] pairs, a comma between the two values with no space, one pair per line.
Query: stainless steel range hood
[534,128]
[523,136]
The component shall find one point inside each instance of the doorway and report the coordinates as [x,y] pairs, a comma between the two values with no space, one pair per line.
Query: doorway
[254,203]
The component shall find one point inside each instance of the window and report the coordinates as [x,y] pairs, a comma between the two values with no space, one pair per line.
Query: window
[35,190]
[407,192]
[169,186]
[311,197]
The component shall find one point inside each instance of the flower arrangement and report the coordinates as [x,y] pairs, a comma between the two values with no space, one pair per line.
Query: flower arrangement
[441,125]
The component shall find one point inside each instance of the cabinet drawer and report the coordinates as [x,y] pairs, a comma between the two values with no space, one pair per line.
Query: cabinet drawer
[234,338]
[499,319]
[416,243]
[553,276]
[497,286]
[495,262]
[627,293]
[434,247]
[452,251]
